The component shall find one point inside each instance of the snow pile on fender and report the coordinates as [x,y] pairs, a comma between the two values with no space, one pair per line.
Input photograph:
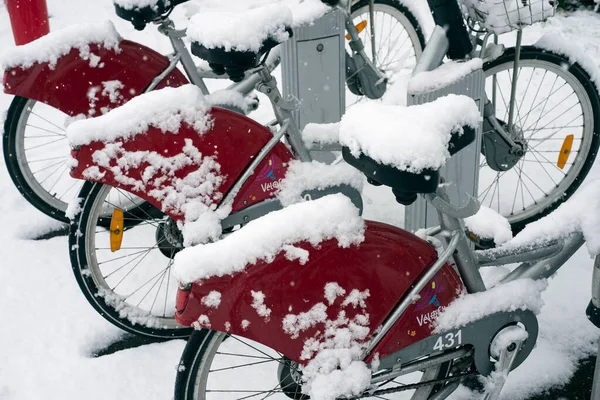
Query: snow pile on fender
[330,217]
[165,109]
[408,138]
[49,48]
[488,224]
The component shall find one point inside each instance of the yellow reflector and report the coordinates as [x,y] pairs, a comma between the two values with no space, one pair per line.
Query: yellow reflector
[565,151]
[360,27]
[116,230]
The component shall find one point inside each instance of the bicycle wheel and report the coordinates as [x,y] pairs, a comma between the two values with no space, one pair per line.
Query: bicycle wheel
[398,38]
[132,286]
[557,109]
[36,152]
[238,368]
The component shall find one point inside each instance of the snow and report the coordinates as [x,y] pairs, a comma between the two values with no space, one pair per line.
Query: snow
[232,98]
[58,43]
[165,109]
[501,16]
[488,224]
[258,303]
[581,213]
[330,217]
[305,176]
[131,4]
[333,291]
[521,294]
[253,27]
[408,138]
[446,74]
[556,43]
[73,208]
[314,135]
[212,300]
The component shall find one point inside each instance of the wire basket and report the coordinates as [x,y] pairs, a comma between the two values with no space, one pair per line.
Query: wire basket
[501,16]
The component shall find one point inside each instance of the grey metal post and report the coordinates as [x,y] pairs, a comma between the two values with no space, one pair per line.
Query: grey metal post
[462,170]
[313,70]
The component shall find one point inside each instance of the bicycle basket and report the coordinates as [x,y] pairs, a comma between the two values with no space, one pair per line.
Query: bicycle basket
[500,16]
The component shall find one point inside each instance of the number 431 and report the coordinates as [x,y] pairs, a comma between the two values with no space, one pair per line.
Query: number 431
[448,341]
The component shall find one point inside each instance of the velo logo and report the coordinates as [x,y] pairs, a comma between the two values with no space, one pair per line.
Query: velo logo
[268,176]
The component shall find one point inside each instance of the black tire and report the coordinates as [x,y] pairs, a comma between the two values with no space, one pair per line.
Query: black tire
[12,155]
[200,344]
[588,89]
[402,9]
[91,280]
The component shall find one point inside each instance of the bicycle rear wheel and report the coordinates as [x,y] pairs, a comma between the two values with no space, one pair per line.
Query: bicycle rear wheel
[558,112]
[396,35]
[36,152]
[216,365]
[129,283]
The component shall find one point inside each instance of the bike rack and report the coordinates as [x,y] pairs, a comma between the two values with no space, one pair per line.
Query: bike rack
[313,62]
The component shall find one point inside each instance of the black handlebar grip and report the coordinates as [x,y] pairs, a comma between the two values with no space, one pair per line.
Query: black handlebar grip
[447,14]
[331,3]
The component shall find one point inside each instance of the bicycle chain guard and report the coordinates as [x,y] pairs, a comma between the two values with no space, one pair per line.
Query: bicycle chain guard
[477,334]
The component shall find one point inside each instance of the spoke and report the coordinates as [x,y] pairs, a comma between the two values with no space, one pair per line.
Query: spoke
[162,280]
[51,123]
[59,163]
[53,133]
[131,270]
[242,365]
[157,275]
[55,170]
[121,257]
[555,132]
[243,355]
[168,283]
[536,95]
[44,144]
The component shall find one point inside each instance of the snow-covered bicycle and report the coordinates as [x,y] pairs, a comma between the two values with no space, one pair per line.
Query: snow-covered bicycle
[123,262]
[84,71]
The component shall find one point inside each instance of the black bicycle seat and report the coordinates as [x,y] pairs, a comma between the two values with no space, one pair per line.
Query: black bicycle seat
[406,185]
[140,16]
[234,62]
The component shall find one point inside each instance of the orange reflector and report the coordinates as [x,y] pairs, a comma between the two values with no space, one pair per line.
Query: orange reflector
[565,151]
[116,230]
[360,27]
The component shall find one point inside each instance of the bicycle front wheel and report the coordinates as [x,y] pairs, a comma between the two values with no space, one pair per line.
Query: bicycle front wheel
[216,365]
[125,273]
[557,111]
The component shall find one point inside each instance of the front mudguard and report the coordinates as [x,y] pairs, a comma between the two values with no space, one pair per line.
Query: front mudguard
[80,87]
[288,306]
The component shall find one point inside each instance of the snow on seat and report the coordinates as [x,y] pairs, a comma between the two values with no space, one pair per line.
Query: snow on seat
[233,37]
[404,147]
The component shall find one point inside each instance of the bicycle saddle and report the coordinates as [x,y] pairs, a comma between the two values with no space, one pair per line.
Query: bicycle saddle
[140,16]
[404,147]
[234,42]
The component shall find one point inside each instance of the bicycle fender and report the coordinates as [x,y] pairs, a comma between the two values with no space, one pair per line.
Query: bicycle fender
[81,87]
[185,161]
[290,306]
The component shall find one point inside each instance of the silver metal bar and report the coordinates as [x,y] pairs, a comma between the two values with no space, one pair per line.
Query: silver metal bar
[186,61]
[157,79]
[372,22]
[434,52]
[250,169]
[249,83]
[546,268]
[500,256]
[513,92]
[596,283]
[422,364]
[410,297]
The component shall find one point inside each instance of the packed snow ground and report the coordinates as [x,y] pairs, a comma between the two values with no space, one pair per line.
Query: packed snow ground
[49,331]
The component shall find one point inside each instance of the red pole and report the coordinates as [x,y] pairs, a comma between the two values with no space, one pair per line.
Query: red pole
[28,18]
